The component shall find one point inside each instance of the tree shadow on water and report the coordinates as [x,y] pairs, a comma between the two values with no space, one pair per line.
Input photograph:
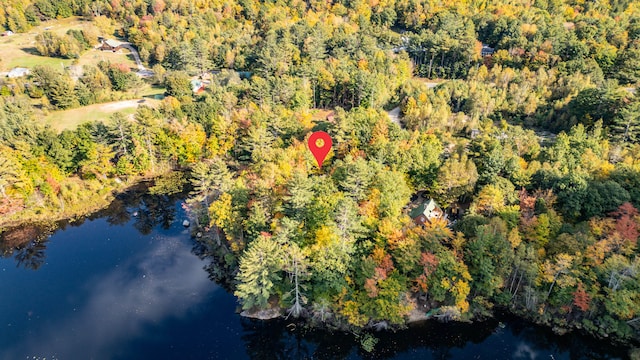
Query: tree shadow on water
[147,210]
[31,256]
[27,244]
[428,340]
[271,340]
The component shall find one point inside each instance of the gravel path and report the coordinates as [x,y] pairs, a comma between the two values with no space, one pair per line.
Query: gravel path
[119,105]
[394,116]
[135,54]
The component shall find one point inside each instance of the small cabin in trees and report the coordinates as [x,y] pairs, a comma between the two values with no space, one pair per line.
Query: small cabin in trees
[110,45]
[198,86]
[427,211]
[486,50]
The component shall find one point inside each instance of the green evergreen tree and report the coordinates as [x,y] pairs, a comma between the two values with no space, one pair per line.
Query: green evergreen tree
[626,126]
[259,273]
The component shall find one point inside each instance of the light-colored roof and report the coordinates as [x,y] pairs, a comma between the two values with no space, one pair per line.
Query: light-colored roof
[113,43]
[18,72]
[196,85]
[424,209]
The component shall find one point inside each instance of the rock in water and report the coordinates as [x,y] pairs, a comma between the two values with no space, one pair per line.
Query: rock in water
[186,223]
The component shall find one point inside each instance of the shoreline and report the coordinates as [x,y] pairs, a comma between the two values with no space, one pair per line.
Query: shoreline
[415,318]
[95,203]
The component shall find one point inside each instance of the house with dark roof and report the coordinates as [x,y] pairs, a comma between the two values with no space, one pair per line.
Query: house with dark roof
[427,211]
[486,50]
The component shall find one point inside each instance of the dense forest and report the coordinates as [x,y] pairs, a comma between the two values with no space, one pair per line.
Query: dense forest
[533,149]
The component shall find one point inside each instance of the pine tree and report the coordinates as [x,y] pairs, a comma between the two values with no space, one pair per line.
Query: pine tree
[148,127]
[456,177]
[210,179]
[357,179]
[300,195]
[120,134]
[296,265]
[259,272]
[61,93]
[626,126]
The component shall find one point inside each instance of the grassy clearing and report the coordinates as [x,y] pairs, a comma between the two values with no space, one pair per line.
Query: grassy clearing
[19,50]
[431,83]
[152,91]
[70,119]
[320,114]
[93,57]
[20,54]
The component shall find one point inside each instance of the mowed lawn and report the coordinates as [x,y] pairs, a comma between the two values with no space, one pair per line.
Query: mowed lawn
[70,119]
[93,57]
[19,50]
[16,53]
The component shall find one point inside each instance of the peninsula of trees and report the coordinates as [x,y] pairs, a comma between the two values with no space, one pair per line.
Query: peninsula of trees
[519,118]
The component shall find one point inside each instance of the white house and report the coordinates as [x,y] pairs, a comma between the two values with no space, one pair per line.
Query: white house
[18,72]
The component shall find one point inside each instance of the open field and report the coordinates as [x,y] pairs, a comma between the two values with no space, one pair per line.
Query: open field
[431,83]
[20,54]
[92,57]
[69,119]
[152,91]
[19,50]
[320,114]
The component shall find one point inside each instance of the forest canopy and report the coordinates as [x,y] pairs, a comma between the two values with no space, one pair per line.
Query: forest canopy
[520,119]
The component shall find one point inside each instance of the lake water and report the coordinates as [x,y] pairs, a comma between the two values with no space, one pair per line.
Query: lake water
[119,286]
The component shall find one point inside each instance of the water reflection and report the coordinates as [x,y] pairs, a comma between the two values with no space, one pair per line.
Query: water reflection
[525,351]
[32,255]
[271,340]
[27,243]
[145,290]
[503,338]
[148,210]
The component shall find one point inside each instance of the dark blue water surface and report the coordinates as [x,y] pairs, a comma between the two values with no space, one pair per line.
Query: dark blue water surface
[119,286]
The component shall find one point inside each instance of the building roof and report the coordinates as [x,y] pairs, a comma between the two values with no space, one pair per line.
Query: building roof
[425,208]
[487,50]
[18,72]
[197,85]
[112,43]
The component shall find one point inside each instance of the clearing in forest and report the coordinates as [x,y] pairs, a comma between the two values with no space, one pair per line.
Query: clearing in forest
[19,50]
[70,119]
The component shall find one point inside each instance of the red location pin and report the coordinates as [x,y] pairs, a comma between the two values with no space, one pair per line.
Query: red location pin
[320,145]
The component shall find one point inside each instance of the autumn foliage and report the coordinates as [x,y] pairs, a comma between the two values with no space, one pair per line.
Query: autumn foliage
[581,299]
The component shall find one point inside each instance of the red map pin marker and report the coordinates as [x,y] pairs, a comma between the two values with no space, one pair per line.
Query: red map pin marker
[320,145]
